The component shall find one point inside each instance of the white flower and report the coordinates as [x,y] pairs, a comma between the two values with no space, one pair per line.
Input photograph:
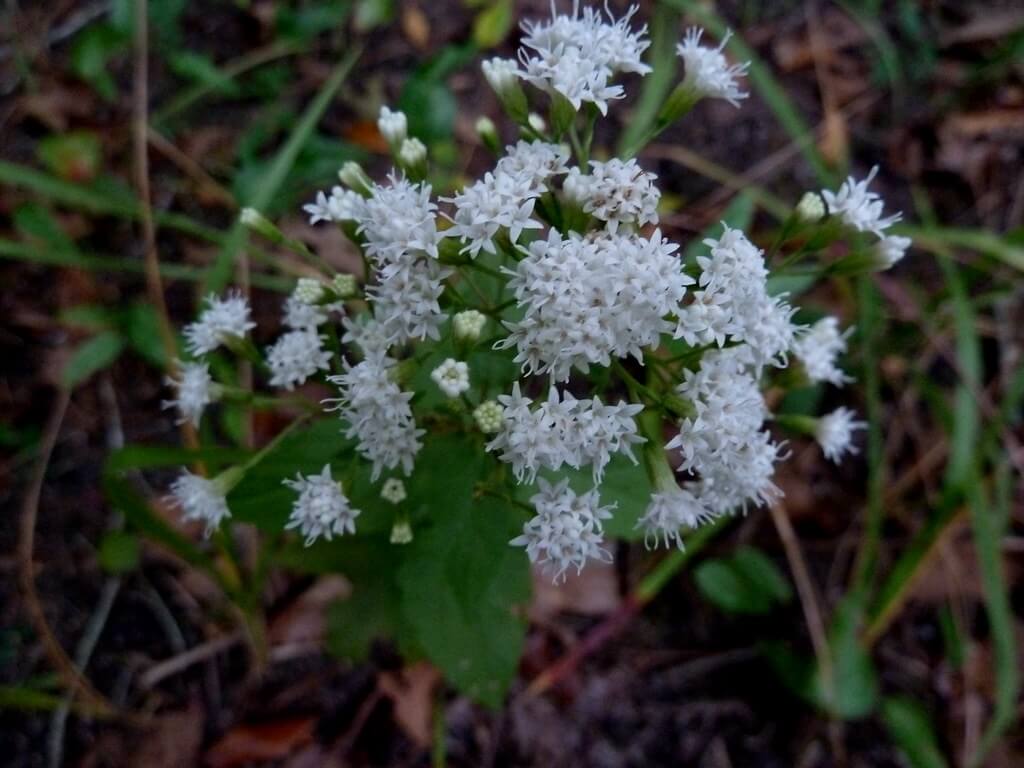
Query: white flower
[412,153]
[398,224]
[195,390]
[534,163]
[393,126]
[819,350]
[567,530]
[498,201]
[295,357]
[746,478]
[223,320]
[811,207]
[393,491]
[378,414]
[708,71]
[405,303]
[562,430]
[368,334]
[452,376]
[308,290]
[587,300]
[501,74]
[858,207]
[340,205]
[668,513]
[890,249]
[834,433]
[576,56]
[488,417]
[322,508]
[300,315]
[616,192]
[200,499]
[344,286]
[468,324]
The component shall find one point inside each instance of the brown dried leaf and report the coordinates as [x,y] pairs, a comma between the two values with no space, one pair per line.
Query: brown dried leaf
[416,27]
[304,621]
[594,592]
[411,692]
[260,742]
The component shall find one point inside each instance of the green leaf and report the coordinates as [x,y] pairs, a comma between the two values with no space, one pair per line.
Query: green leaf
[36,223]
[142,330]
[371,14]
[119,552]
[430,107]
[201,70]
[93,48]
[94,355]
[75,156]
[747,582]
[492,25]
[151,456]
[911,730]
[260,497]
[461,582]
[304,23]
[91,317]
[854,677]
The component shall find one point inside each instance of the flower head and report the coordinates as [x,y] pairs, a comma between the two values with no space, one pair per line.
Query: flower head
[393,491]
[819,350]
[393,126]
[488,417]
[707,70]
[889,250]
[567,530]
[200,499]
[452,376]
[296,356]
[616,192]
[223,320]
[858,207]
[669,513]
[468,324]
[322,508]
[195,390]
[834,433]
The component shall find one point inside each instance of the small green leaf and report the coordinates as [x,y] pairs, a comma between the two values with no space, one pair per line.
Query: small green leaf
[855,679]
[371,14]
[492,25]
[430,107]
[142,330]
[93,48]
[911,730]
[119,552]
[201,70]
[34,222]
[94,355]
[91,317]
[757,568]
[747,582]
[74,156]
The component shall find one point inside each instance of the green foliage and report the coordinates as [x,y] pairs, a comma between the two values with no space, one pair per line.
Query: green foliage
[492,24]
[200,69]
[75,156]
[91,356]
[93,49]
[304,23]
[911,730]
[119,552]
[746,582]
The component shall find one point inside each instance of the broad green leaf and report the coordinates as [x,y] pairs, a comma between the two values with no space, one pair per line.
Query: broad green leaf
[757,568]
[461,582]
[306,22]
[92,317]
[36,223]
[371,14]
[911,730]
[747,582]
[91,356]
[119,552]
[260,497]
[151,456]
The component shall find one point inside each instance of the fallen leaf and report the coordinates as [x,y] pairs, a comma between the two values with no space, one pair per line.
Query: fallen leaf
[416,27]
[411,692]
[304,621]
[260,742]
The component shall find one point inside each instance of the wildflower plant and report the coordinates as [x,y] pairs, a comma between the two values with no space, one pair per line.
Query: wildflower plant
[528,366]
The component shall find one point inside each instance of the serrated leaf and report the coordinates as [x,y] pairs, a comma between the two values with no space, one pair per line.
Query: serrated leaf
[460,581]
[118,552]
[92,356]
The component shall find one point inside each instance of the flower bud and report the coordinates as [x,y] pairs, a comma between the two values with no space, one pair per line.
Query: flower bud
[413,158]
[393,491]
[393,126]
[354,177]
[811,207]
[503,76]
[489,417]
[308,290]
[401,531]
[257,222]
[488,134]
[536,122]
[468,324]
[344,286]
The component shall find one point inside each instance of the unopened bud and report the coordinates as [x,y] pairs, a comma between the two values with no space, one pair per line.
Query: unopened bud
[468,324]
[354,177]
[392,126]
[488,134]
[489,417]
[811,207]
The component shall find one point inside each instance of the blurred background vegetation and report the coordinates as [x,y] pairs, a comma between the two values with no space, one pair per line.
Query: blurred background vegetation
[875,623]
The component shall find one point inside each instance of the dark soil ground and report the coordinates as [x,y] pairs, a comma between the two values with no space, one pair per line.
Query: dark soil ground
[682,684]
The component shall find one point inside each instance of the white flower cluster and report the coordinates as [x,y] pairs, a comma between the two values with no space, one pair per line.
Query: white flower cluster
[590,299]
[862,210]
[616,192]
[563,431]
[567,530]
[322,508]
[577,56]
[200,499]
[707,70]
[452,377]
[819,349]
[378,414]
[222,321]
[195,390]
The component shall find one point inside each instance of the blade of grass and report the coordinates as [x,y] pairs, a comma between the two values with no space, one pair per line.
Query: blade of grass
[764,81]
[220,271]
[658,83]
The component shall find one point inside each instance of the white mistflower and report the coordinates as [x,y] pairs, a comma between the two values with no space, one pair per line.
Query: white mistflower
[413,153]
[616,192]
[295,357]
[496,202]
[488,417]
[378,414]
[889,250]
[576,56]
[811,207]
[590,299]
[746,479]
[393,491]
[222,321]
[834,433]
[367,334]
[452,376]
[501,74]
[398,224]
[200,499]
[534,163]
[406,302]
[669,514]
[322,508]
[344,286]
[603,430]
[819,350]
[340,205]
[567,530]
[195,390]
[858,207]
[708,72]
[393,126]
[468,324]
[301,315]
